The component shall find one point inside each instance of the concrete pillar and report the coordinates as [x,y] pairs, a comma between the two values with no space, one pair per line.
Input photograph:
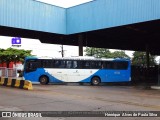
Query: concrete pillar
[80,43]
[159,73]
[147,56]
[148,64]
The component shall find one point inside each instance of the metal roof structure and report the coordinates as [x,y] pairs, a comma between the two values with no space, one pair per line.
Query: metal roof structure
[64,3]
[114,24]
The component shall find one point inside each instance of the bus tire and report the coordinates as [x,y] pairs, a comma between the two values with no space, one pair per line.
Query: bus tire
[43,80]
[95,81]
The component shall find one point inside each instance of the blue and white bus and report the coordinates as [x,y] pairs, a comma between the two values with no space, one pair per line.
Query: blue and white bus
[77,69]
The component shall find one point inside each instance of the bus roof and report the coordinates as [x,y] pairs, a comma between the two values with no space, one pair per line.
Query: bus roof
[79,58]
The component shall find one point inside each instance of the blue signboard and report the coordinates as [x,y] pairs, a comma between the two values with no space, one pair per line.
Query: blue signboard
[16,41]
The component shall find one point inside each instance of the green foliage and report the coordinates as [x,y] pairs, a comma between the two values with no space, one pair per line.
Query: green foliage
[2,56]
[102,52]
[120,54]
[139,58]
[15,55]
[97,52]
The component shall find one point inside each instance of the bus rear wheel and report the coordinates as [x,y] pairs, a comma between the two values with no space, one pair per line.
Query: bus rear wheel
[95,81]
[43,80]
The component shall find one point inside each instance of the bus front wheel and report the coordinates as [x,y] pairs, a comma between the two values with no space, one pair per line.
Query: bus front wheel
[95,81]
[43,80]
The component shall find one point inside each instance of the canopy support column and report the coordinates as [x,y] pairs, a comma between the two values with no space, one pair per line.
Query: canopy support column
[147,69]
[80,43]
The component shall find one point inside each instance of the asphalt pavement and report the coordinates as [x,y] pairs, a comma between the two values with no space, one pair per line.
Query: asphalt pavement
[74,97]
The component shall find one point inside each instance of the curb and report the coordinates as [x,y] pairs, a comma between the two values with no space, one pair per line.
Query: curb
[155,87]
[22,84]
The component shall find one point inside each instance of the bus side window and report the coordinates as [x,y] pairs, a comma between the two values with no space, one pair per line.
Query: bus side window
[43,63]
[95,64]
[62,64]
[46,63]
[108,65]
[116,65]
[68,64]
[56,64]
[100,65]
[75,64]
[121,65]
[103,65]
[86,64]
[32,66]
[28,66]
[79,64]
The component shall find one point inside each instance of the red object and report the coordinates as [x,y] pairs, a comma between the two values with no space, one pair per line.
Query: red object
[10,64]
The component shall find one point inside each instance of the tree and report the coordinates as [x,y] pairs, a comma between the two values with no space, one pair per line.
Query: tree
[2,56]
[139,58]
[15,55]
[102,52]
[120,54]
[97,52]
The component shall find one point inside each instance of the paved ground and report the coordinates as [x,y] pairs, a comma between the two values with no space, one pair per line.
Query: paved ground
[73,97]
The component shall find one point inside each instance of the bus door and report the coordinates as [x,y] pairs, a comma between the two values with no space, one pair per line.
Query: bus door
[30,70]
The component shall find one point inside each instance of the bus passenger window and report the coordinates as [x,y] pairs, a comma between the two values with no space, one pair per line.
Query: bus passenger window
[32,66]
[56,64]
[86,64]
[62,64]
[68,64]
[75,64]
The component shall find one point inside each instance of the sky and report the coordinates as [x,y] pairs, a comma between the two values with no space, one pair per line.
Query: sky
[39,49]
[48,50]
[65,3]
[43,49]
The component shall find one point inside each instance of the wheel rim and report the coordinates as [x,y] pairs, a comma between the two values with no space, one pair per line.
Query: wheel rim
[95,81]
[43,80]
